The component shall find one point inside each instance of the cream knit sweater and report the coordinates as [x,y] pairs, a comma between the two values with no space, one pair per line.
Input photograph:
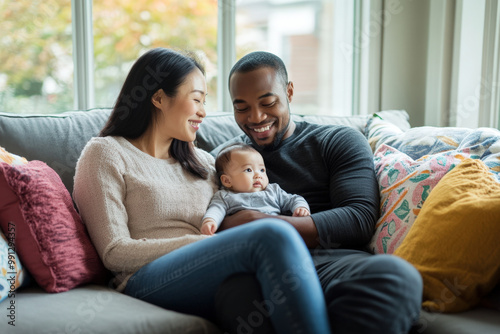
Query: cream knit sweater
[137,207]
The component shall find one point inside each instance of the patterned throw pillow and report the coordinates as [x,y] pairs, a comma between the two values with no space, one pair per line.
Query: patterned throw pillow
[404,185]
[12,273]
[10,158]
[427,140]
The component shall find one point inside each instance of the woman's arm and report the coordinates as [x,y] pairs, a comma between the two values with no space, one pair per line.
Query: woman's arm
[99,192]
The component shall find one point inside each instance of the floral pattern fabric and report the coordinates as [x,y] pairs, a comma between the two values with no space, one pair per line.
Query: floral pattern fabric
[404,185]
[410,163]
[11,271]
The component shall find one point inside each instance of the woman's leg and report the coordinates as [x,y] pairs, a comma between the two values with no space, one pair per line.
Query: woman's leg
[187,279]
[364,293]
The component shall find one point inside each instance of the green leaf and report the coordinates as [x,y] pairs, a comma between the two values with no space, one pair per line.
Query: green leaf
[393,175]
[391,228]
[403,210]
[420,177]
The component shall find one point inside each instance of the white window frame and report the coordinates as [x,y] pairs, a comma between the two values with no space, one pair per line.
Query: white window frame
[366,92]
[489,108]
[226,51]
[83,54]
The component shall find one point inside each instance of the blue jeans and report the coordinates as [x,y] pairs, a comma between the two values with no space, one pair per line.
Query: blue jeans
[187,279]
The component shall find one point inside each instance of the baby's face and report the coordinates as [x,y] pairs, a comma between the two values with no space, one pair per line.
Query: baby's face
[245,172]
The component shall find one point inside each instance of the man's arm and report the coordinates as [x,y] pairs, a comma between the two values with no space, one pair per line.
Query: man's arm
[304,225]
[353,191]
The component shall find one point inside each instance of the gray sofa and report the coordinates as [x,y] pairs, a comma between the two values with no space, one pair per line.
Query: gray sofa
[58,140]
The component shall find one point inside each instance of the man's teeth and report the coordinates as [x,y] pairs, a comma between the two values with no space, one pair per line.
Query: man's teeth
[194,123]
[262,129]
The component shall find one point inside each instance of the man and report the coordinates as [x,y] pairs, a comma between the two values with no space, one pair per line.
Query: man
[332,168]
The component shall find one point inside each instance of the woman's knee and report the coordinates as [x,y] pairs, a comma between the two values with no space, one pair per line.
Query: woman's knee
[275,231]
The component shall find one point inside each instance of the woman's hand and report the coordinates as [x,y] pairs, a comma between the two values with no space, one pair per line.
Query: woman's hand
[240,218]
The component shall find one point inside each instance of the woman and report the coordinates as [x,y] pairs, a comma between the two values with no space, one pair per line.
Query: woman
[142,189]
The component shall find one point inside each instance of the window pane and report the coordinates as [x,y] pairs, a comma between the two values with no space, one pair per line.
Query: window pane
[124,29]
[36,65]
[302,34]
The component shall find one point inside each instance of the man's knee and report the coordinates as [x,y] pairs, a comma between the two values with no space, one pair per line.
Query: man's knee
[397,271]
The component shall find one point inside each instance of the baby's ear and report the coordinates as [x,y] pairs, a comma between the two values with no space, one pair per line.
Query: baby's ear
[225,180]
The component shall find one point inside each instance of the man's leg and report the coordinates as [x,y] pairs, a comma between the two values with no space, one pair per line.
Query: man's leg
[240,308]
[364,294]
[368,293]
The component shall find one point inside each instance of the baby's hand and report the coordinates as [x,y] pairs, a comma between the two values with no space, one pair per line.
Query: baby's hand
[301,212]
[208,227]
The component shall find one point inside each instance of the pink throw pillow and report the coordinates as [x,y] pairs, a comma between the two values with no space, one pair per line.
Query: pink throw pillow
[50,238]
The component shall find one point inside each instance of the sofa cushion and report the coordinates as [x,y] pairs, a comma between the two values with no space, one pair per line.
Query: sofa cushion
[49,235]
[454,240]
[404,186]
[474,321]
[56,140]
[97,309]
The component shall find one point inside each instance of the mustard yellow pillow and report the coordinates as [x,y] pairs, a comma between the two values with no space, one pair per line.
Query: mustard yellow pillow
[454,240]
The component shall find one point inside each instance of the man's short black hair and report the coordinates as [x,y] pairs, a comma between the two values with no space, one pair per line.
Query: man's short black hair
[258,59]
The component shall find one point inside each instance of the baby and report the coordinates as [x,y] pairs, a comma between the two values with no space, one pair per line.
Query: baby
[242,173]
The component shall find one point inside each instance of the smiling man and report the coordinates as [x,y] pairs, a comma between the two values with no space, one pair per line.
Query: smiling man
[332,168]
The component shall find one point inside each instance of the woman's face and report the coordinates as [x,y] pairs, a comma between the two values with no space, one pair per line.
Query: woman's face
[181,116]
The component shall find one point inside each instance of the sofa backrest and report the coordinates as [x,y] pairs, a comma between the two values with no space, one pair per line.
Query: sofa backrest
[59,139]
[56,140]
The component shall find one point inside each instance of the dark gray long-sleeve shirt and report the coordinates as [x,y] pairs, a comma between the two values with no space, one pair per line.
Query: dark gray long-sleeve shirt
[332,168]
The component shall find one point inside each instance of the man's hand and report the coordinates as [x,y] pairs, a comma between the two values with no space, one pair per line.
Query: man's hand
[240,218]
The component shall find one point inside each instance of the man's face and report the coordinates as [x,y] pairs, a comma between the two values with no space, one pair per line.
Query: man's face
[260,101]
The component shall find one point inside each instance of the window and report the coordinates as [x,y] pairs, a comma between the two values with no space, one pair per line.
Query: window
[58,55]
[124,29]
[37,55]
[36,65]
[308,36]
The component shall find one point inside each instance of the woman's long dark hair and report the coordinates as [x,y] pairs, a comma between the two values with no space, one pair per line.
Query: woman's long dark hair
[133,112]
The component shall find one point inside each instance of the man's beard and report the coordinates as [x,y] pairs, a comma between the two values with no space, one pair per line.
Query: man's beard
[277,138]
